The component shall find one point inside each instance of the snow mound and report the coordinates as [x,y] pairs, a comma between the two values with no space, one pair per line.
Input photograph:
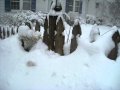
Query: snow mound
[85,69]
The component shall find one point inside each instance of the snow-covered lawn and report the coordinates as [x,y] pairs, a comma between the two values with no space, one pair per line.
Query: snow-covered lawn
[87,68]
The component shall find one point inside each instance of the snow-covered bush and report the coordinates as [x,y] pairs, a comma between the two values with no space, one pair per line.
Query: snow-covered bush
[20,17]
[94,20]
[90,19]
[99,21]
[94,34]
[28,37]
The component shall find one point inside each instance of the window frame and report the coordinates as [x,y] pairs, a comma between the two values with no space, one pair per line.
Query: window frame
[77,6]
[13,6]
[27,1]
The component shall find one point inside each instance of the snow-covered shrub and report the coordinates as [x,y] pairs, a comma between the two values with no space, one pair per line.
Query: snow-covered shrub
[28,37]
[90,19]
[99,21]
[81,20]
[94,34]
[72,17]
[94,20]
[20,17]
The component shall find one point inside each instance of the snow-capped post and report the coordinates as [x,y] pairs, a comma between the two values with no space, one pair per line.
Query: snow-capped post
[0,33]
[12,31]
[59,37]
[4,33]
[94,34]
[17,29]
[8,32]
[37,26]
[46,33]
[114,52]
[55,11]
[76,32]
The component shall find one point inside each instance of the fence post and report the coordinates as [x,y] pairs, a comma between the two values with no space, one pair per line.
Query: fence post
[37,26]
[0,32]
[8,32]
[46,32]
[12,31]
[4,33]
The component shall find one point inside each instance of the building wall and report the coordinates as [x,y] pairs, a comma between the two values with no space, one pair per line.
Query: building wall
[91,7]
[42,5]
[84,8]
[63,4]
[2,6]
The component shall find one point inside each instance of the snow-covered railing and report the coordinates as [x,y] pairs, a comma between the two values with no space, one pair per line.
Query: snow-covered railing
[7,31]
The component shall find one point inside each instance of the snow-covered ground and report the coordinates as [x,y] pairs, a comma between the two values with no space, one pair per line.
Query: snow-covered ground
[87,68]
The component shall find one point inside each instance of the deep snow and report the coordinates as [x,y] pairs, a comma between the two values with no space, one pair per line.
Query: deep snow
[87,68]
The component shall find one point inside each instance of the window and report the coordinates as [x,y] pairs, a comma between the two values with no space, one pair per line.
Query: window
[15,4]
[78,6]
[80,9]
[97,5]
[26,4]
[69,5]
